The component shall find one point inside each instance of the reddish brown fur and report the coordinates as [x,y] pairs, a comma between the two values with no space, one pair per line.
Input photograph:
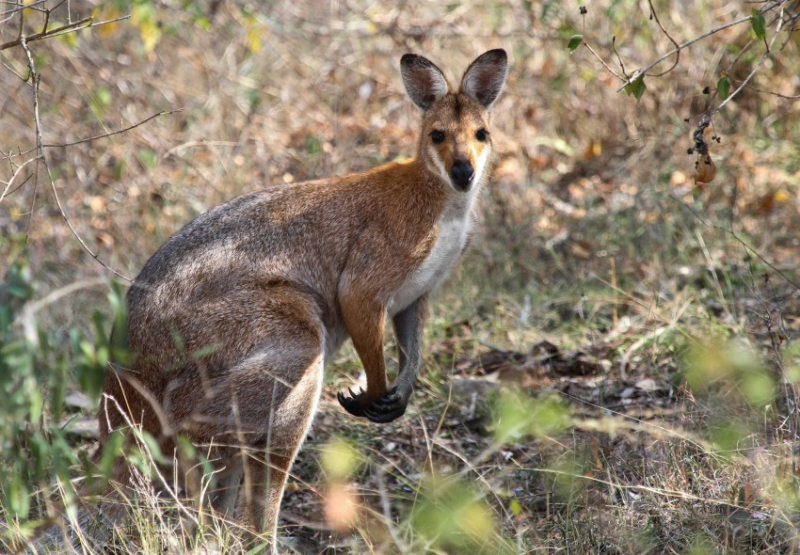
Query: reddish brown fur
[232,319]
[460,142]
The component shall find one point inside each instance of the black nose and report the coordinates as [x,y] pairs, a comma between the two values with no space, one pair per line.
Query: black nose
[461,174]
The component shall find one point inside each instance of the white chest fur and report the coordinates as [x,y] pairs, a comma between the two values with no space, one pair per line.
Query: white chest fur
[452,232]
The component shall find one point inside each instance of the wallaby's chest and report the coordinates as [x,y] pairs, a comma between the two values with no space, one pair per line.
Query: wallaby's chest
[452,232]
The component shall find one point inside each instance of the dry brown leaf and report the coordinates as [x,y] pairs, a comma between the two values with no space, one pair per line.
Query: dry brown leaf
[705,172]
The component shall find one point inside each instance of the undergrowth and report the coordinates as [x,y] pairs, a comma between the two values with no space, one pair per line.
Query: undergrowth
[612,368]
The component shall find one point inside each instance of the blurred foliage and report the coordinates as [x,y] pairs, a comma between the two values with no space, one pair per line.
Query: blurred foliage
[454,516]
[35,372]
[340,460]
[733,367]
[517,415]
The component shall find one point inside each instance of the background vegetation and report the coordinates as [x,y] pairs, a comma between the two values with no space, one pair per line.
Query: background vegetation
[613,367]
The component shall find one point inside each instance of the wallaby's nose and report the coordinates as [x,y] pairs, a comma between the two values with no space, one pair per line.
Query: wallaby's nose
[461,174]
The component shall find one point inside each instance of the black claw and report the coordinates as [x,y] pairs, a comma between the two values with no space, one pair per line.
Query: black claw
[386,409]
[382,418]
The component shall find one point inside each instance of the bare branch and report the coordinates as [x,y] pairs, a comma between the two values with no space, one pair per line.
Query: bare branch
[779,95]
[619,58]
[663,30]
[14,176]
[104,135]
[13,11]
[749,248]
[40,156]
[21,7]
[686,44]
[111,133]
[767,54]
[605,65]
[75,26]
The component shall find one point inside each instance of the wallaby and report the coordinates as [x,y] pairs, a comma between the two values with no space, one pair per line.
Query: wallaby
[232,320]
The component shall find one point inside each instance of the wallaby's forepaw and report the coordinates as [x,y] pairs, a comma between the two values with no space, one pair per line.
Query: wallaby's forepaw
[355,404]
[389,407]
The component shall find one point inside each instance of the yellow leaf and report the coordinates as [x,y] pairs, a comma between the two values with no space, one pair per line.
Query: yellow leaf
[70,39]
[151,34]
[254,40]
[107,11]
[781,196]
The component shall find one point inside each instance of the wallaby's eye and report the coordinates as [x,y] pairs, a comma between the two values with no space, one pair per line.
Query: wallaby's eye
[437,136]
[481,134]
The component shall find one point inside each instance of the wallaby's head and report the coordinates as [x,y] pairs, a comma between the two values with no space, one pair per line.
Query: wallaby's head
[456,143]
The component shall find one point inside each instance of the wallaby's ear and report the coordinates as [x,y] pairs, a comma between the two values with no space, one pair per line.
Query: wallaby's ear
[485,77]
[425,83]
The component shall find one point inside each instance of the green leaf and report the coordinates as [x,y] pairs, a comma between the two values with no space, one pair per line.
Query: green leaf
[724,87]
[112,448]
[147,157]
[759,25]
[154,448]
[574,42]
[636,87]
[17,498]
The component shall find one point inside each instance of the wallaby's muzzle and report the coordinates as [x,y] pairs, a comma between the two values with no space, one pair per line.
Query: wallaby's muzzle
[461,174]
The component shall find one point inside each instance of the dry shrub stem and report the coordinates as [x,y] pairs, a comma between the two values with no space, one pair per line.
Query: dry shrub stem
[35,77]
[730,231]
[654,13]
[766,55]
[110,133]
[47,34]
[643,72]
[605,65]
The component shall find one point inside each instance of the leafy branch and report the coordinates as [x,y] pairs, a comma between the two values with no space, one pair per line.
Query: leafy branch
[634,83]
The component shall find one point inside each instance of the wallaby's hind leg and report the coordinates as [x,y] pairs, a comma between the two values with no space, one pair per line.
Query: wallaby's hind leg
[268,461]
[258,417]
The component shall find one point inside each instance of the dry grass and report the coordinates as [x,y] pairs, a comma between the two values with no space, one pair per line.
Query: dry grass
[662,299]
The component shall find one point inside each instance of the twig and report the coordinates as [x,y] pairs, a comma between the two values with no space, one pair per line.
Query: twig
[30,309]
[663,30]
[18,187]
[12,12]
[779,95]
[677,50]
[605,65]
[619,58]
[21,7]
[741,241]
[40,156]
[34,77]
[14,176]
[111,133]
[45,34]
[767,54]
[105,22]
